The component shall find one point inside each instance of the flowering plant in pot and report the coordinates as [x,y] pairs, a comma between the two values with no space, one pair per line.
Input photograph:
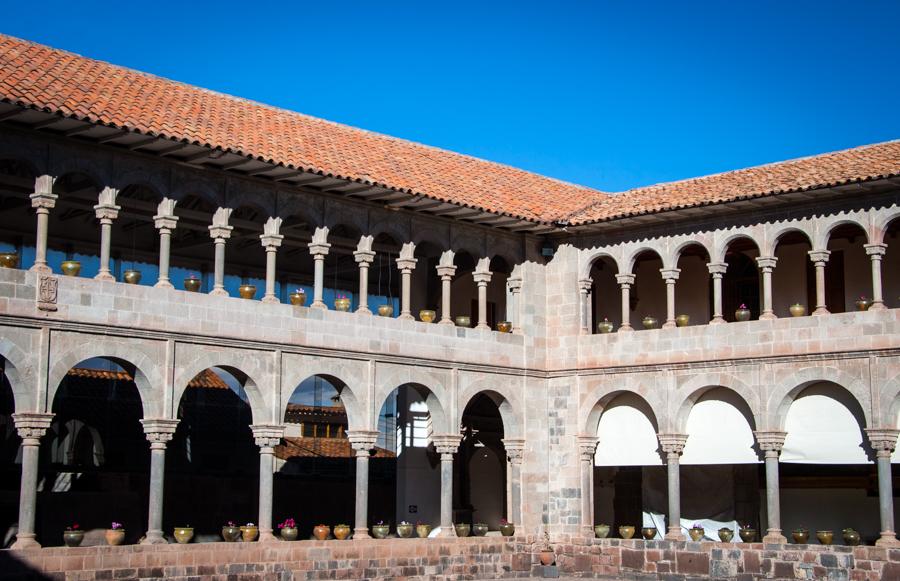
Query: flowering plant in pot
[231,532]
[423,530]
[341,532]
[747,533]
[380,530]
[404,529]
[341,303]
[742,313]
[321,532]
[249,532]
[862,303]
[298,297]
[73,535]
[479,529]
[192,283]
[507,529]
[288,529]
[547,555]
[115,534]
[696,531]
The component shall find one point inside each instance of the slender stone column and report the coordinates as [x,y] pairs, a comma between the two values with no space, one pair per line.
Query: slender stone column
[771,444]
[106,211]
[271,240]
[717,271]
[318,248]
[587,448]
[766,266]
[30,426]
[819,258]
[266,437]
[446,446]
[584,301]
[363,442]
[625,281]
[514,286]
[876,252]
[482,277]
[220,231]
[165,221]
[42,200]
[670,275]
[406,263]
[673,446]
[884,441]
[364,257]
[159,432]
[515,449]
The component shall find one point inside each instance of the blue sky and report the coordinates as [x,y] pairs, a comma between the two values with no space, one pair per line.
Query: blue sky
[607,94]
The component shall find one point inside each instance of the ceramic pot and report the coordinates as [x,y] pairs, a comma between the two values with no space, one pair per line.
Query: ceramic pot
[742,315]
[298,299]
[192,285]
[132,276]
[696,534]
[747,535]
[851,537]
[797,310]
[385,310]
[184,535]
[249,534]
[649,533]
[650,322]
[626,531]
[9,260]
[73,538]
[426,315]
[605,327]
[115,537]
[726,534]
[70,267]
[463,321]
[825,537]
[289,533]
[801,536]
[863,304]
[508,530]
[504,326]
[341,532]
[682,320]
[546,557]
[342,305]
[601,531]
[321,532]
[462,530]
[247,291]
[381,531]
[423,531]
[479,529]
[231,534]
[405,531]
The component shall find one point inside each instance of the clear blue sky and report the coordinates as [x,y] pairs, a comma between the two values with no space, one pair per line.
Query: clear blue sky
[607,94]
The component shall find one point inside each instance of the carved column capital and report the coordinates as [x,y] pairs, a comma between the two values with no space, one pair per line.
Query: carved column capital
[515,449]
[407,264]
[159,430]
[106,211]
[317,250]
[482,278]
[364,256]
[585,285]
[770,441]
[766,263]
[670,275]
[43,200]
[717,269]
[446,444]
[271,241]
[165,222]
[220,232]
[625,280]
[672,444]
[587,447]
[819,256]
[874,250]
[883,440]
[31,426]
[362,441]
[514,285]
[267,435]
[446,271]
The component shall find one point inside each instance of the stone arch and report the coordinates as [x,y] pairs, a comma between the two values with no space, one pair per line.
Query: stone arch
[200,188]
[722,245]
[637,252]
[350,383]
[237,364]
[506,400]
[151,180]
[890,404]
[829,226]
[397,230]
[680,247]
[787,391]
[693,389]
[779,232]
[32,166]
[261,200]
[85,166]
[24,149]
[19,373]
[592,256]
[438,399]
[437,237]
[594,404]
[883,220]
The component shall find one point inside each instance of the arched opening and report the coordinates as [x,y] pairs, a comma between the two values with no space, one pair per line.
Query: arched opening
[480,494]
[425,286]
[794,278]
[606,302]
[848,273]
[245,257]
[294,273]
[191,246]
[341,269]
[741,283]
[693,296]
[73,232]
[95,458]
[384,278]
[890,267]
[135,241]
[212,463]
[17,218]
[496,291]
[10,461]
[648,295]
[463,290]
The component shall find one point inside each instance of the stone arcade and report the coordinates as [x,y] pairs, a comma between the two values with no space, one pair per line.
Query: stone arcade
[752,375]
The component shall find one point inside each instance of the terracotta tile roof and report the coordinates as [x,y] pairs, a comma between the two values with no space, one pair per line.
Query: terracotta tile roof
[296,413]
[206,379]
[321,448]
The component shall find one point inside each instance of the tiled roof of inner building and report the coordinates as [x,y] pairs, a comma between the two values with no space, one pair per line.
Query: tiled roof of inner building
[59,82]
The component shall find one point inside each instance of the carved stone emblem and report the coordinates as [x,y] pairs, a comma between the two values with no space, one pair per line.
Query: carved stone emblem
[48,289]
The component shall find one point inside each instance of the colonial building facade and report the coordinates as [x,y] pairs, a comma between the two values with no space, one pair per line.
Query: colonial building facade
[724,349]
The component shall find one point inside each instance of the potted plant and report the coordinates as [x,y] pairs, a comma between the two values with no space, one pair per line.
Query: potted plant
[423,530]
[547,555]
[298,297]
[479,529]
[682,320]
[650,322]
[747,533]
[862,303]
[825,537]
[507,529]
[70,267]
[426,315]
[115,534]
[73,535]
[726,534]
[321,532]
[626,531]
[380,530]
[648,533]
[463,321]
[405,529]
[462,529]
[504,326]
[9,259]
[742,313]
[183,535]
[386,310]
[342,303]
[249,532]
[247,291]
[851,537]
[231,532]
[132,276]
[192,283]
[801,535]
[605,326]
[341,532]
[601,531]
[797,310]
[288,529]
[696,531]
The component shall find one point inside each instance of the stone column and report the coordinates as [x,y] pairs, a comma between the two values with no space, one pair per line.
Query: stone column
[165,221]
[220,231]
[266,437]
[30,426]
[271,240]
[884,441]
[876,252]
[515,449]
[584,300]
[670,275]
[717,271]
[771,444]
[820,259]
[514,286]
[587,448]
[363,442]
[42,200]
[106,211]
[364,257]
[446,270]
[406,263]
[159,432]
[446,446]
[673,446]
[482,277]
[766,266]
[625,281]
[318,248]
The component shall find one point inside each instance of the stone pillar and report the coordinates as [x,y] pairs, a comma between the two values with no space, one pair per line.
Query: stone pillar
[584,287]
[717,271]
[159,432]
[876,252]
[884,441]
[673,446]
[446,446]
[266,437]
[670,275]
[42,200]
[587,447]
[514,287]
[106,211]
[515,449]
[30,426]
[363,442]
[165,221]
[771,444]
[766,266]
[220,231]
[482,277]
[406,263]
[820,259]
[625,281]
[318,248]
[271,240]
[364,257]
[446,270]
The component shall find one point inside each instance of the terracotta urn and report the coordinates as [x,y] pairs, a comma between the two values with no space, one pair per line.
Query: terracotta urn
[132,276]
[863,304]
[73,538]
[682,320]
[605,326]
[380,531]
[601,531]
[405,531]
[507,529]
[289,533]
[801,536]
[650,322]
[426,315]
[70,267]
[183,535]
[626,531]
[546,557]
[341,532]
[649,533]
[231,533]
[504,326]
[423,531]
[192,285]
[249,533]
[9,260]
[742,315]
[479,529]
[247,291]
[797,310]
[825,537]
[385,310]
[298,299]
[726,534]
[115,537]
[321,532]
[747,535]
[696,533]
[463,321]
[462,529]
[851,537]
[342,304]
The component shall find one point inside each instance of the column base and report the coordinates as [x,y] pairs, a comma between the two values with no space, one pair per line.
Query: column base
[105,276]
[674,534]
[41,269]
[720,320]
[163,284]
[821,311]
[363,311]
[888,539]
[877,307]
[154,538]
[406,317]
[482,327]
[774,537]
[218,292]
[270,300]
[767,317]
[319,305]
[447,532]
[25,541]
[669,325]
[626,329]
[267,537]
[360,534]
[446,322]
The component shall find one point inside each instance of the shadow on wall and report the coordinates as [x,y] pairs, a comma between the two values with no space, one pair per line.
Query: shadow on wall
[13,568]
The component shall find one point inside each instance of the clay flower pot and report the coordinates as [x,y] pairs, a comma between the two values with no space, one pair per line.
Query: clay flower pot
[825,537]
[423,531]
[247,291]
[546,557]
[249,533]
[851,537]
[342,305]
[696,533]
[231,533]
[289,533]
[463,321]
[504,326]
[601,531]
[742,315]
[183,535]
[405,531]
[192,285]
[726,534]
[115,537]
[650,322]
[797,310]
[863,304]
[298,299]
[381,531]
[341,532]
[748,535]
[426,315]
[682,320]
[604,327]
[801,536]
[479,529]
[73,538]
[385,310]
[507,529]
[70,267]
[649,533]
[462,529]
[626,531]
[321,532]
[132,276]
[9,260]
